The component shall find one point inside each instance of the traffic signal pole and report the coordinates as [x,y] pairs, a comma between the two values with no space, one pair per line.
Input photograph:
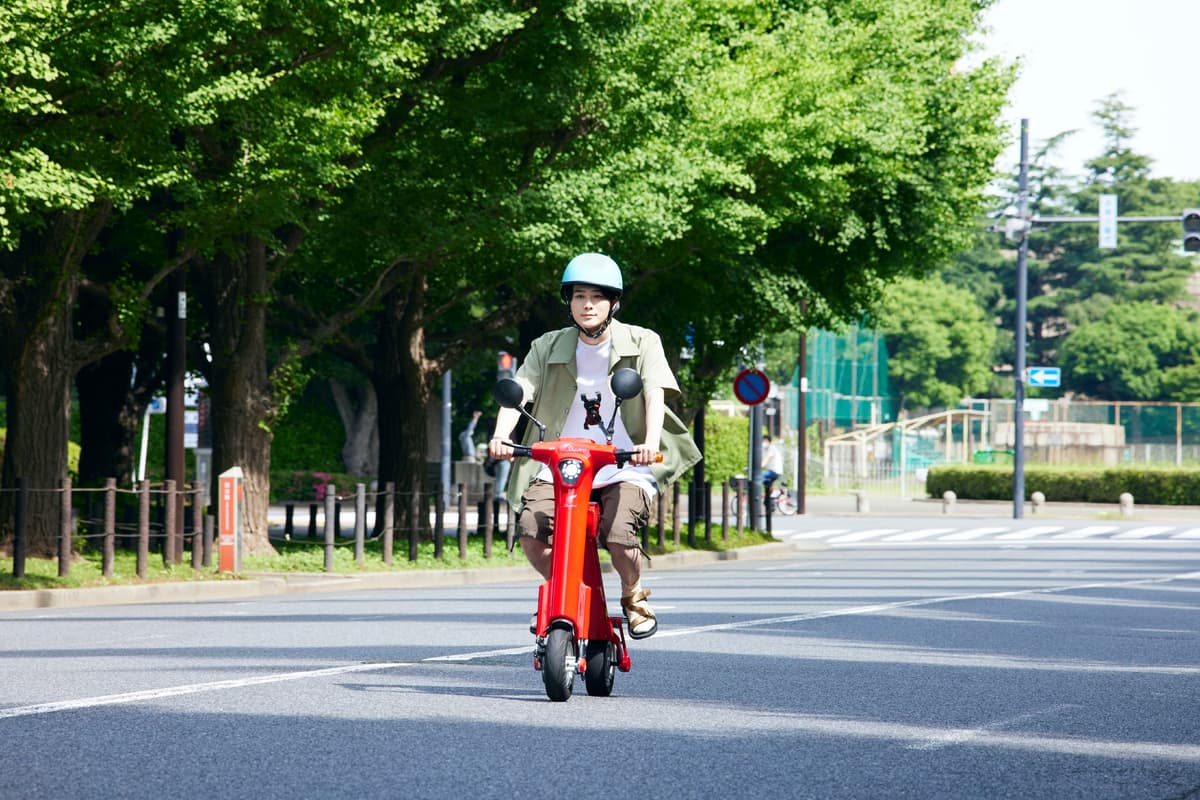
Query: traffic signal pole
[1022,291]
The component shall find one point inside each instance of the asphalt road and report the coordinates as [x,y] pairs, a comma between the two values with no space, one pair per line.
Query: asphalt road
[896,663]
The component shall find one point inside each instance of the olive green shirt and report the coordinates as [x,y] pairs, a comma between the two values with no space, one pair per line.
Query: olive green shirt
[548,377]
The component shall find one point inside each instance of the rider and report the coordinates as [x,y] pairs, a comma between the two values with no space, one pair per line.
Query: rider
[772,462]
[580,359]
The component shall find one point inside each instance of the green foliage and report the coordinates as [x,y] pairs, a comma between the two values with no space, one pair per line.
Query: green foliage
[309,438]
[1131,351]
[939,343]
[726,443]
[1151,486]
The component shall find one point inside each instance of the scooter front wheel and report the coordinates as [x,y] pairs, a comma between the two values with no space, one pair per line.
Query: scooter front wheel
[601,667]
[559,663]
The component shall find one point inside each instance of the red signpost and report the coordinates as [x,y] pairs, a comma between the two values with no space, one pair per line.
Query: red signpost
[229,539]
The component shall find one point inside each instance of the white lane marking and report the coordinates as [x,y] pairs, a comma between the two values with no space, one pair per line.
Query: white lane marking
[863,535]
[956,736]
[261,680]
[972,533]
[817,534]
[912,536]
[1144,532]
[1085,532]
[1030,533]
[1190,533]
[193,688]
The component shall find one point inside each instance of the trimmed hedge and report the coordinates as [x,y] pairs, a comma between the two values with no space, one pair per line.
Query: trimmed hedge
[1150,485]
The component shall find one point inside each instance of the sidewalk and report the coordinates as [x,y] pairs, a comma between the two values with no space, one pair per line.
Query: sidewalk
[846,503]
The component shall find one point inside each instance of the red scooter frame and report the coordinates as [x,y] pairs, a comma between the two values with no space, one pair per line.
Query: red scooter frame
[574,630]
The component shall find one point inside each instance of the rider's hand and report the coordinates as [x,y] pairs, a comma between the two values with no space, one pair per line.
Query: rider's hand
[645,454]
[500,448]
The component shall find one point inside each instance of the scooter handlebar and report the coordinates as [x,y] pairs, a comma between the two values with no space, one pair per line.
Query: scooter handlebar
[625,456]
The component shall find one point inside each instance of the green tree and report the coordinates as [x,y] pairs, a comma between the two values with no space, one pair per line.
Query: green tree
[939,343]
[1128,353]
[90,97]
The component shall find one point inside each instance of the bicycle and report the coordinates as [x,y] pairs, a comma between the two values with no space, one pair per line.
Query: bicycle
[779,499]
[574,632]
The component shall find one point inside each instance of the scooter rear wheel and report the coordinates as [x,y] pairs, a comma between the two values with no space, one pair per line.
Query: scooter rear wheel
[601,667]
[559,663]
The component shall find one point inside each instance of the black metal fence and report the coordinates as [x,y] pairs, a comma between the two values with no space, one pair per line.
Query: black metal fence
[167,520]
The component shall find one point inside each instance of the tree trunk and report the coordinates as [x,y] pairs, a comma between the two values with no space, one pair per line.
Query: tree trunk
[39,412]
[360,419]
[39,284]
[236,291]
[402,378]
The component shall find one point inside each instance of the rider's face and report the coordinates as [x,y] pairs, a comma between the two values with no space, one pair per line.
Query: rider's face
[589,307]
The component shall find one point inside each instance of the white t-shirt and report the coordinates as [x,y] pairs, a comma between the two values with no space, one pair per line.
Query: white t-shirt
[591,369]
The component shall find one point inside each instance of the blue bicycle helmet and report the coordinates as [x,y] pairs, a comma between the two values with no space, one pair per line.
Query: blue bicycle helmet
[593,269]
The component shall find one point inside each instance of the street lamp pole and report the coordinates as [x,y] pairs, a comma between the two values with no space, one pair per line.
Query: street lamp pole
[1022,292]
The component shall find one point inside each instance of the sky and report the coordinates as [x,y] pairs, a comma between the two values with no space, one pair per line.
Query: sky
[1076,52]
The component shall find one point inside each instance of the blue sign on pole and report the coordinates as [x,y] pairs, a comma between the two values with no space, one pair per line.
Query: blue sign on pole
[751,386]
[1045,376]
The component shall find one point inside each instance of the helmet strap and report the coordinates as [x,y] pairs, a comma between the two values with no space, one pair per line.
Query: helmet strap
[592,334]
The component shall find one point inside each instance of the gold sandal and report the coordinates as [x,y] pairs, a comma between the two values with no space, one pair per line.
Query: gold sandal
[641,619]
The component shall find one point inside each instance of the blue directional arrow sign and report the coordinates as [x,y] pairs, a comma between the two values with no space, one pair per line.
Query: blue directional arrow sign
[1045,376]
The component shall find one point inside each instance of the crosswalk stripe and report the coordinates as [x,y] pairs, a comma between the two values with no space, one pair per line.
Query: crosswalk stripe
[1143,532]
[861,535]
[971,533]
[1083,533]
[912,536]
[1030,533]
[1190,533]
[818,534]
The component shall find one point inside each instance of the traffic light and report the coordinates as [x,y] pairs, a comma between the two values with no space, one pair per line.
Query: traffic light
[1191,230]
[506,365]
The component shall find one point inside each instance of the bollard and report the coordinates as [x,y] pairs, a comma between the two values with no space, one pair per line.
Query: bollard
[462,524]
[1126,504]
[1038,500]
[169,522]
[861,503]
[360,523]
[489,523]
[389,521]
[725,512]
[143,535]
[110,527]
[64,540]
[330,524]
[948,500]
[210,525]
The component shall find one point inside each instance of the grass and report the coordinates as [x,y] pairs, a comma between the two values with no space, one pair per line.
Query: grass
[308,556]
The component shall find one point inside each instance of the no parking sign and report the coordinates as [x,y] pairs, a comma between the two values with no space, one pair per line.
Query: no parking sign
[751,386]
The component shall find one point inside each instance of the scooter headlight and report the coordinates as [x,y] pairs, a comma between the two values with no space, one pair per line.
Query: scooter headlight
[570,469]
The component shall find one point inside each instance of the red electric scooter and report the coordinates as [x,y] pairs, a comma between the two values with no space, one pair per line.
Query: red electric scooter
[575,633]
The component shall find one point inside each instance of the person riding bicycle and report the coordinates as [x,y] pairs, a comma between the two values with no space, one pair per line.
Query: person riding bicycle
[772,462]
[579,360]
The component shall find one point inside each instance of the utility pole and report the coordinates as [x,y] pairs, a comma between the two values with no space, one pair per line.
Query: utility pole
[802,415]
[1017,229]
[176,320]
[1022,290]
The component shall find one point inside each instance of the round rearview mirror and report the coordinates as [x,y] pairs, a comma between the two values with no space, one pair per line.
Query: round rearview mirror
[626,383]
[508,393]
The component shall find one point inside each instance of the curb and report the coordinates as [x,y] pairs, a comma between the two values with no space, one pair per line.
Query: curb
[280,583]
